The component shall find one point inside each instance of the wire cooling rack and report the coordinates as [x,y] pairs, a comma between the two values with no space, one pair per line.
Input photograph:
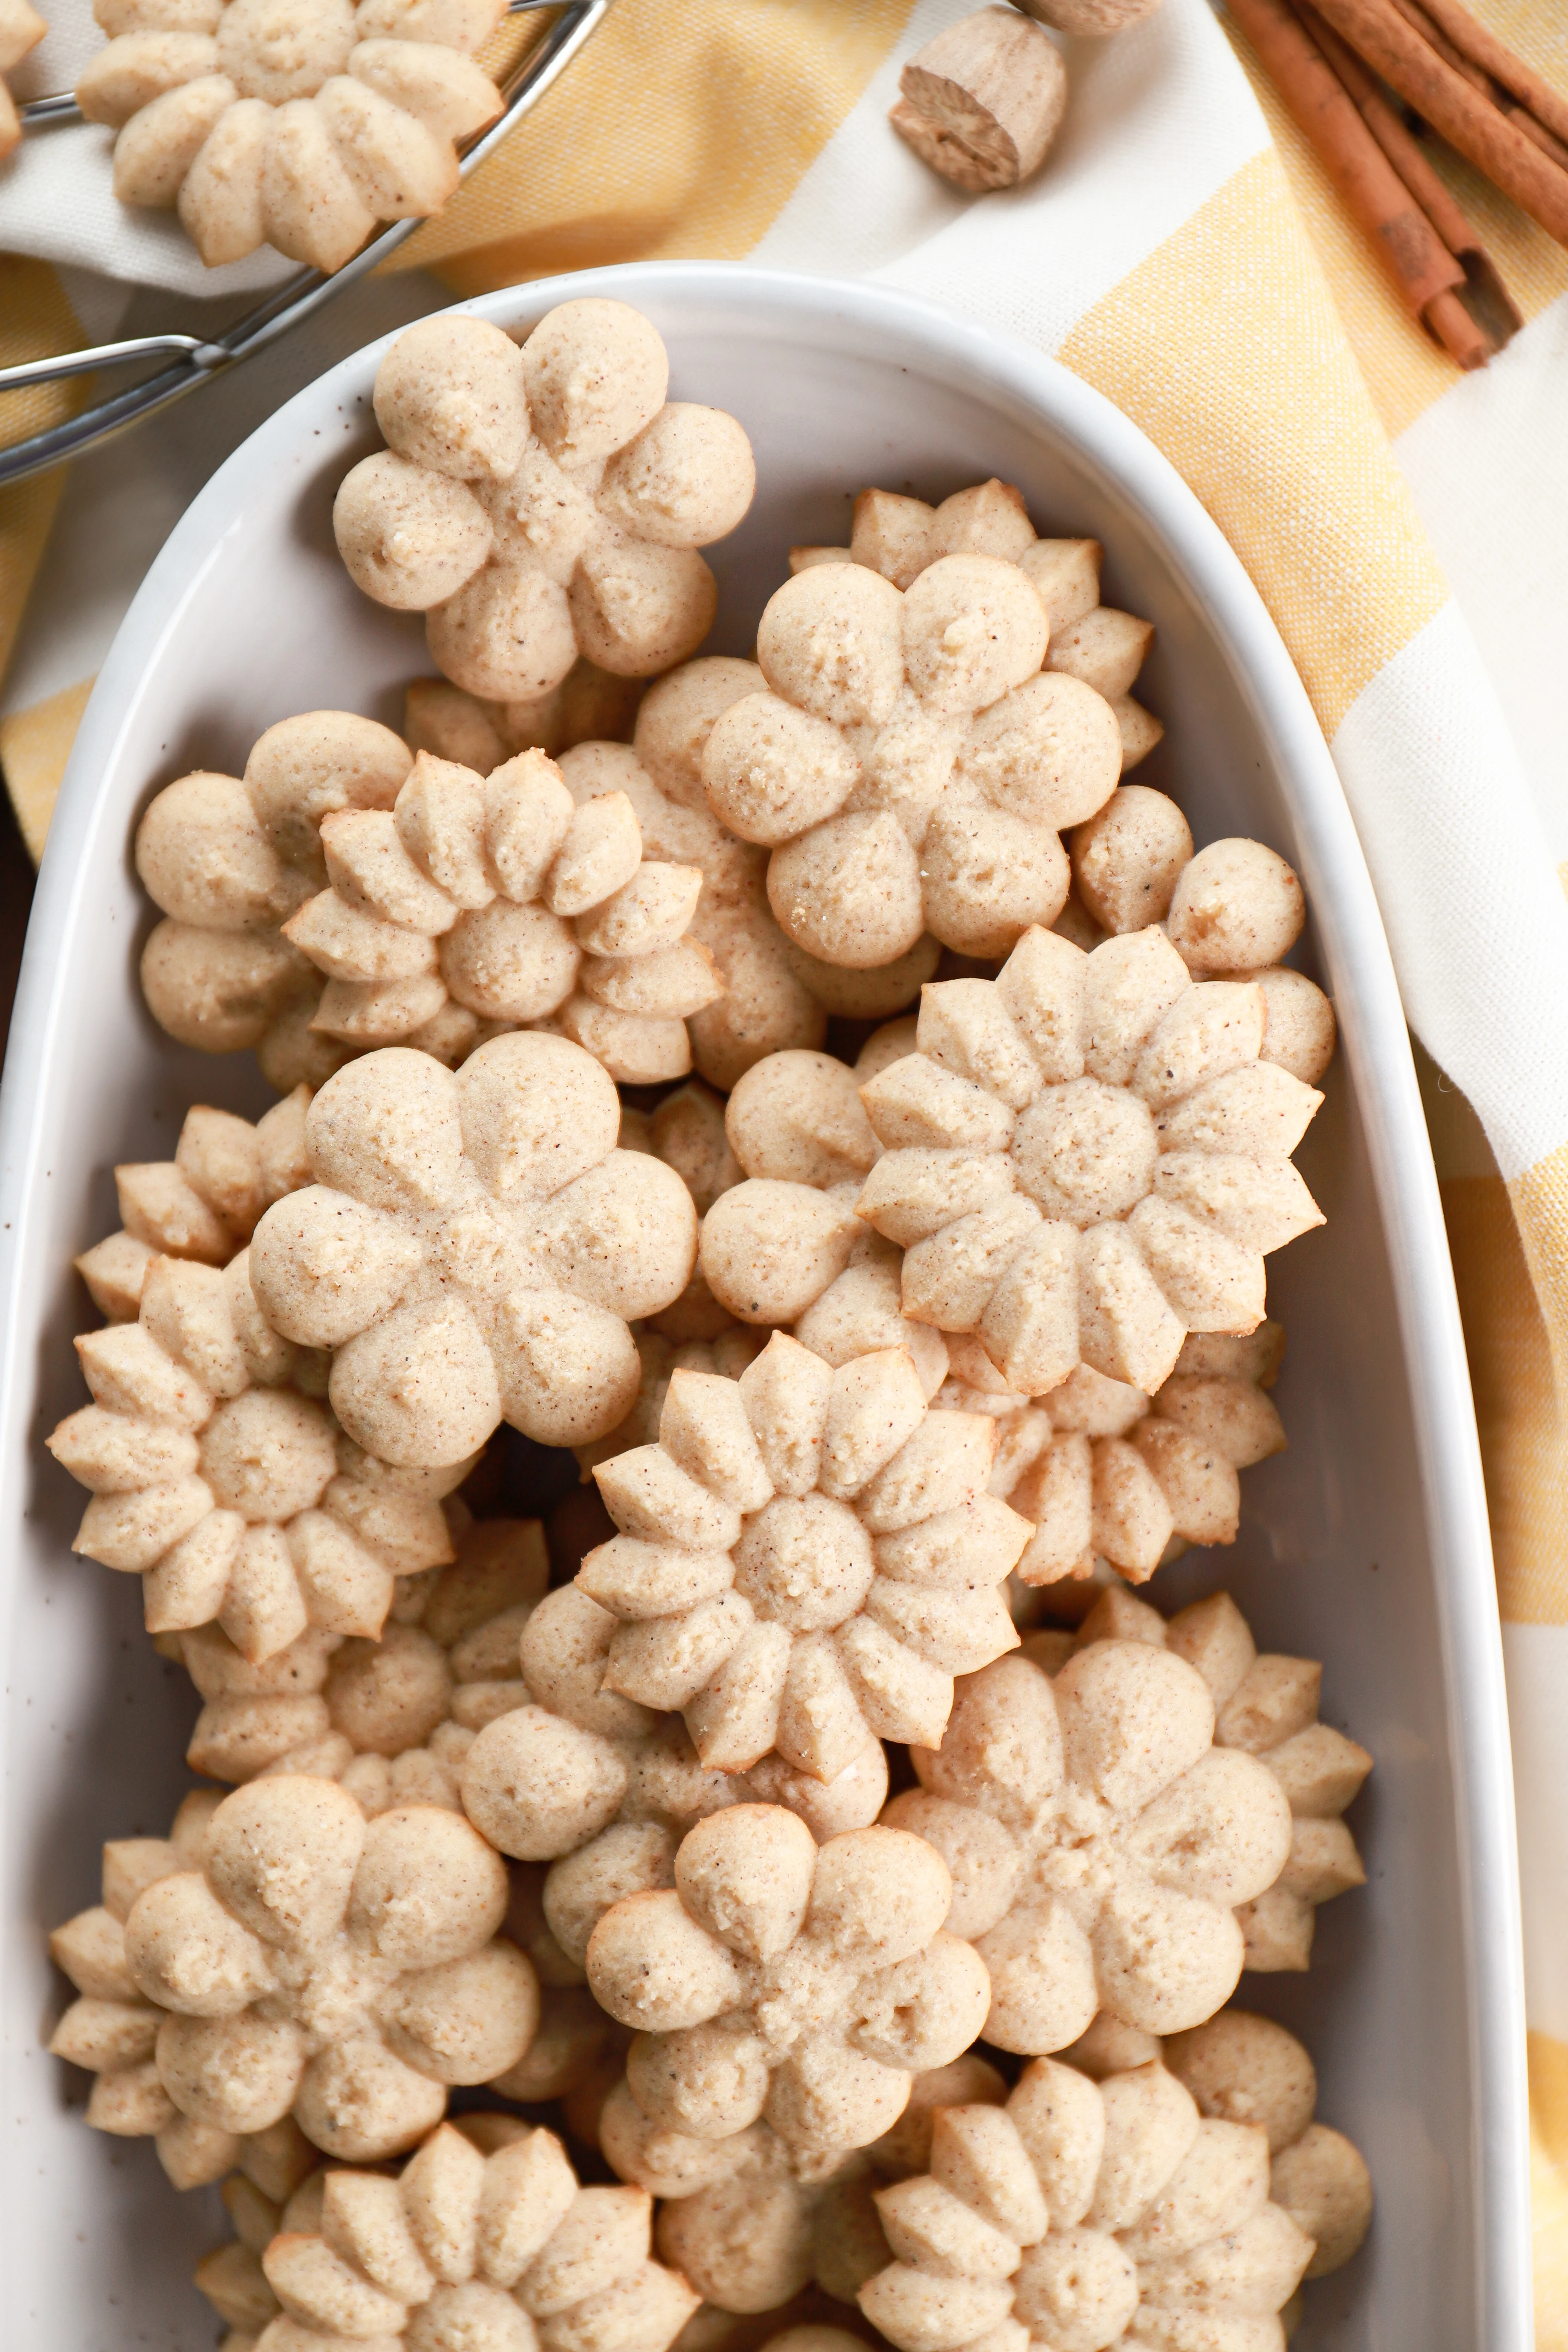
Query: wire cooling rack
[192,361]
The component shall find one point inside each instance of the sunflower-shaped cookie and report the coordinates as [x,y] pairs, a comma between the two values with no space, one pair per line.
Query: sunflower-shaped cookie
[751,2221]
[218,1474]
[228,860]
[484,2239]
[500,898]
[911,767]
[1090,2213]
[1107,1473]
[807,1559]
[390,1718]
[1133,1815]
[293,123]
[542,503]
[779,1980]
[295,1960]
[1088,1157]
[473,1248]
[899,536]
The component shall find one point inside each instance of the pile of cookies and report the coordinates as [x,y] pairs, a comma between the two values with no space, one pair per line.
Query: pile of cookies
[785,1883]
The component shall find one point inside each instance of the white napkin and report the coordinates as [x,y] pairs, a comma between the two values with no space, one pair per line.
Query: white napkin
[56,190]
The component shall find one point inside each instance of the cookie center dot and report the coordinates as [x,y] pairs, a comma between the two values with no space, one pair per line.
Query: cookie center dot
[268,1455]
[1086,1151]
[804,1563]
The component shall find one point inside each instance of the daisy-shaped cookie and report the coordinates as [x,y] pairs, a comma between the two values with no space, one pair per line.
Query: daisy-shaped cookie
[227,859]
[1107,1473]
[911,767]
[1133,1814]
[1232,911]
[203,1204]
[221,1477]
[293,123]
[1088,2214]
[499,898]
[1088,1157]
[751,2221]
[21,30]
[775,1979]
[785,1246]
[900,537]
[484,2239]
[295,1960]
[544,503]
[473,1248]
[806,1558]
[391,1718]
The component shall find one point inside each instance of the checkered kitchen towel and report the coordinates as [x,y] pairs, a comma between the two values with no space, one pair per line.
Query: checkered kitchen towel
[1406,526]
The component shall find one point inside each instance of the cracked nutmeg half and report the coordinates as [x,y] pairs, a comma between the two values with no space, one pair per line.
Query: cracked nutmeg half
[473,1248]
[807,1557]
[1089,1156]
[282,1956]
[542,504]
[294,123]
[805,1986]
[1131,1815]
[484,2242]
[502,901]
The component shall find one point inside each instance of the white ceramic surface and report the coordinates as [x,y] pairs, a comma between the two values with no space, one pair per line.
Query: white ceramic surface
[1366,1544]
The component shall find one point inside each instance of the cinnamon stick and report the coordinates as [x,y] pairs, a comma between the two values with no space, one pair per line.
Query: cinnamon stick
[1468,121]
[1484,295]
[1479,79]
[1422,266]
[1483,49]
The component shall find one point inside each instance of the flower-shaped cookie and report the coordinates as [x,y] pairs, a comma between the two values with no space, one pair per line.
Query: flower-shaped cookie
[301,1960]
[484,2239]
[778,1980]
[807,1559]
[750,2220]
[1088,1158]
[201,1204]
[499,898]
[227,860]
[543,503]
[588,706]
[1133,1815]
[1088,2214]
[900,537]
[294,123]
[391,1719]
[911,767]
[1107,1473]
[1232,912]
[220,1476]
[21,30]
[473,1248]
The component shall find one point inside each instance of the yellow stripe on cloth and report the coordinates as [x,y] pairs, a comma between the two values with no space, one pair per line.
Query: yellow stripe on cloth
[1405,368]
[35,745]
[639,154]
[1224,346]
[35,320]
[1519,1411]
[1549,2188]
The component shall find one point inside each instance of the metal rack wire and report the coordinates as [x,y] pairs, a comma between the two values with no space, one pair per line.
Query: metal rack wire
[195,361]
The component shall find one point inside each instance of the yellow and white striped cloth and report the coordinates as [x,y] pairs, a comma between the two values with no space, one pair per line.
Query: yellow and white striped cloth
[1184,252]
